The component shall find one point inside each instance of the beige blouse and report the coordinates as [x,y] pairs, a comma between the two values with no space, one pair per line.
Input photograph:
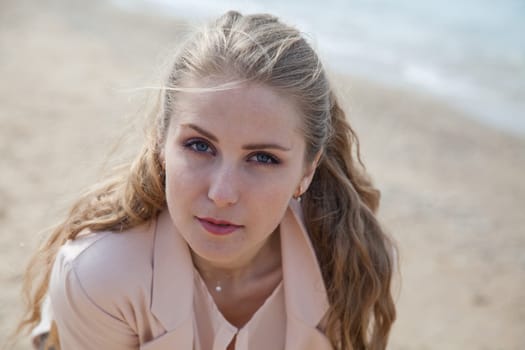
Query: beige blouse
[139,290]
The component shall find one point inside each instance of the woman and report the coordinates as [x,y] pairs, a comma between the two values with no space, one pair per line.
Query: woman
[246,222]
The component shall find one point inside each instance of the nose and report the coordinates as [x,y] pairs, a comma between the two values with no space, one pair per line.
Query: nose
[224,188]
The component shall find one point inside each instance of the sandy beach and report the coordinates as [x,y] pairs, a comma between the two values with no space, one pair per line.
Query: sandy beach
[453,189]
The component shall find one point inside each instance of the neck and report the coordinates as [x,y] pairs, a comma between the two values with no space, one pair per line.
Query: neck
[263,261]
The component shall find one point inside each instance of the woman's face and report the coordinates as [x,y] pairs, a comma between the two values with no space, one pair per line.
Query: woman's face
[234,159]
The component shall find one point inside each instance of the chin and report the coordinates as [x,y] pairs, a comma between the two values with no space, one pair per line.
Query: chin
[218,253]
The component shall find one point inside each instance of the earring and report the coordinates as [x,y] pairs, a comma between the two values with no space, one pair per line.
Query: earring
[297,194]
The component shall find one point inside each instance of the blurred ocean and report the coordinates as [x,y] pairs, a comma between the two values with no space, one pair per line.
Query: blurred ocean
[469,53]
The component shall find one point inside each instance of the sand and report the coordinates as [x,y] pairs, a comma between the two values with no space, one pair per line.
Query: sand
[453,190]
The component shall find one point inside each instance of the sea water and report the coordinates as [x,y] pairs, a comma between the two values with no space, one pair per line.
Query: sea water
[469,53]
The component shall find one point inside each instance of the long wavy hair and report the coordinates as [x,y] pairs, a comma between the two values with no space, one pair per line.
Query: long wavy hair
[354,253]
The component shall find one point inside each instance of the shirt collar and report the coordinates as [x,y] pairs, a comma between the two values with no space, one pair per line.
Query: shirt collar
[305,291]
[172,289]
[172,286]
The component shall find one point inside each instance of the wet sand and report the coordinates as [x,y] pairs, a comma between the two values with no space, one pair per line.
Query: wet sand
[453,190]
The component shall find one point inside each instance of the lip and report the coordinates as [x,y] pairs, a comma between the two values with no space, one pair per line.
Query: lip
[218,227]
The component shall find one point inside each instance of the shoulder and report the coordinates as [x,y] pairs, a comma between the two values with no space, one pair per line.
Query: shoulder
[110,254]
[109,267]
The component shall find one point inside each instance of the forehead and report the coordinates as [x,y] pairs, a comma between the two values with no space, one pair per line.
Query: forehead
[245,108]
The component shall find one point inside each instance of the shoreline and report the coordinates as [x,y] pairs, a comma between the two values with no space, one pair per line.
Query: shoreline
[453,193]
[509,126]
[468,94]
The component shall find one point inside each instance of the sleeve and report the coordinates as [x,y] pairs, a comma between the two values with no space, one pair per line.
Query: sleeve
[44,326]
[81,323]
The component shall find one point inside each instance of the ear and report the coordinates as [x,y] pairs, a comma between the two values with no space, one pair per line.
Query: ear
[309,173]
[162,158]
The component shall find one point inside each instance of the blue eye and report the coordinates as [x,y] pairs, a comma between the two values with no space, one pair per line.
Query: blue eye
[264,158]
[198,146]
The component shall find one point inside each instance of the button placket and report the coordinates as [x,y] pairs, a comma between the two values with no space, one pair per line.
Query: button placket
[224,337]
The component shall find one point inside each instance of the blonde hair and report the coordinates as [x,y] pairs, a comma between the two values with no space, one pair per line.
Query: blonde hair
[353,251]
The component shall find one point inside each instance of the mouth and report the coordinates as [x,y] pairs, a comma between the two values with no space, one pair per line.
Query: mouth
[218,227]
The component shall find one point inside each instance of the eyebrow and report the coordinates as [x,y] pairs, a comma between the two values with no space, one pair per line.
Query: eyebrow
[202,131]
[252,146]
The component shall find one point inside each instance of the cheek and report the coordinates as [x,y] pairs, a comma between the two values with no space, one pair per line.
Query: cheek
[271,191]
[269,199]
[183,177]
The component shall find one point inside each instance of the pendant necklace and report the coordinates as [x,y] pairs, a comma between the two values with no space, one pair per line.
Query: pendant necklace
[218,282]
